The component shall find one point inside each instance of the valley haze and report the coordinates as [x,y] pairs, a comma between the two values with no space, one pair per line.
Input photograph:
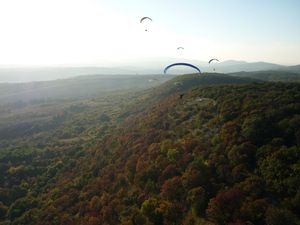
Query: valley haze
[46,73]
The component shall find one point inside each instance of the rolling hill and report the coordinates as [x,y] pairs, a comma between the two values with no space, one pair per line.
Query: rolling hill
[94,85]
[227,152]
[270,75]
[78,87]
[137,67]
[293,69]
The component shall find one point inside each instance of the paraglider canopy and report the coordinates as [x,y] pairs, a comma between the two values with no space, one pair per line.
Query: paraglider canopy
[145,21]
[145,18]
[213,60]
[210,61]
[181,64]
[180,50]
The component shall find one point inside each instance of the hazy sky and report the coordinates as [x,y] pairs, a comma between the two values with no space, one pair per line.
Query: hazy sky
[105,32]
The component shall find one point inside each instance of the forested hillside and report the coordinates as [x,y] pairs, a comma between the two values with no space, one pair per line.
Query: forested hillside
[192,151]
[269,75]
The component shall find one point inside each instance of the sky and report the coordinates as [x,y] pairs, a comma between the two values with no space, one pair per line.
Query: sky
[109,32]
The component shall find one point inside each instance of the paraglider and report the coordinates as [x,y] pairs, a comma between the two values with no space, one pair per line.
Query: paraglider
[180,50]
[210,61]
[181,64]
[145,21]
[213,60]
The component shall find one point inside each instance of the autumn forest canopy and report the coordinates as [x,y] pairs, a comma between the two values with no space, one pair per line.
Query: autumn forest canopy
[152,150]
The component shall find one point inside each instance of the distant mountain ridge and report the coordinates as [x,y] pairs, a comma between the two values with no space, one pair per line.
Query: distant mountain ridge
[247,67]
[140,67]
[228,66]
[294,69]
